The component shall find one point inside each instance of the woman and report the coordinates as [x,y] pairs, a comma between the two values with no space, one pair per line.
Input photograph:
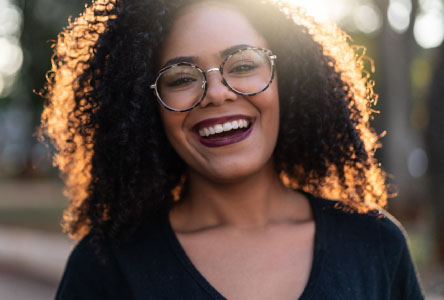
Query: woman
[197,139]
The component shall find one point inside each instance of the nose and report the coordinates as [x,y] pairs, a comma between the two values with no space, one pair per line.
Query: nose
[217,91]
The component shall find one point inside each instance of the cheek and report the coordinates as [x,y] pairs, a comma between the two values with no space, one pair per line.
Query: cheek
[173,126]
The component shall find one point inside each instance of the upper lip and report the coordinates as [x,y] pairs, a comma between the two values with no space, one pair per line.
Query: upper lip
[220,120]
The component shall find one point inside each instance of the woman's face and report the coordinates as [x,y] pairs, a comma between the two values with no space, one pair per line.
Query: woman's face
[201,34]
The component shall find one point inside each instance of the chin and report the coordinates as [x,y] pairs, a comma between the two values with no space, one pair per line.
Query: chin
[235,172]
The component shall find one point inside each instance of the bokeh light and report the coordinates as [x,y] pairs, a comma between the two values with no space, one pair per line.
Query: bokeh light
[420,73]
[11,54]
[429,29]
[367,18]
[429,24]
[417,162]
[11,20]
[352,15]
[326,11]
[398,15]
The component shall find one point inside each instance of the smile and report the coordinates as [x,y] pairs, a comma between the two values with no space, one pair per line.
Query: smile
[225,127]
[223,131]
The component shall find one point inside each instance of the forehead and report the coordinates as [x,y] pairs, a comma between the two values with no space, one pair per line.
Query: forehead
[205,29]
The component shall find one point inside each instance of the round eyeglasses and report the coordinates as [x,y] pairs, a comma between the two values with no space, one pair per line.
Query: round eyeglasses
[247,71]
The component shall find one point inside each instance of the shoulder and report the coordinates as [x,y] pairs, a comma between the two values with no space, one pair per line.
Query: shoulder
[83,251]
[92,254]
[376,238]
[103,254]
[90,274]
[83,258]
[375,233]
[377,223]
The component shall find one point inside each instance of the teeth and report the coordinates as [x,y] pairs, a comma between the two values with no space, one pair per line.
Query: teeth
[218,128]
[207,131]
[227,126]
[243,123]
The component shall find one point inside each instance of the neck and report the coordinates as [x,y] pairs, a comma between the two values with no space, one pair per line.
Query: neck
[251,202]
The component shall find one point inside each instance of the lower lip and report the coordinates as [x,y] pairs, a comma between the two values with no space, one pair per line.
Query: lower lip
[226,140]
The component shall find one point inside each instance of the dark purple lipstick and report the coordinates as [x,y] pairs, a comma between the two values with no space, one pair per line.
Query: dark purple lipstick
[226,137]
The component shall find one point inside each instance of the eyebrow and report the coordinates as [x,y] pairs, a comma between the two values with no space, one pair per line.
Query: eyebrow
[193,59]
[180,59]
[227,51]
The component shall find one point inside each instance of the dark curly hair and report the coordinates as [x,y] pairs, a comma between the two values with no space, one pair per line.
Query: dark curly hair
[117,163]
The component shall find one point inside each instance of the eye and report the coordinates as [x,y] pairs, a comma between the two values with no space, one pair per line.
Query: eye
[180,81]
[242,67]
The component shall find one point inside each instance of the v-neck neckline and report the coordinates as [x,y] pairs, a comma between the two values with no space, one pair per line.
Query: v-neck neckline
[316,266]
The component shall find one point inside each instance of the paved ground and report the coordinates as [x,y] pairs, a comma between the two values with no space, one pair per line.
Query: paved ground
[16,287]
[36,193]
[35,253]
[31,260]
[31,263]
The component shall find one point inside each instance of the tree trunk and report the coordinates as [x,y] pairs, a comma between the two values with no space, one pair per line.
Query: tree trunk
[396,52]
[435,143]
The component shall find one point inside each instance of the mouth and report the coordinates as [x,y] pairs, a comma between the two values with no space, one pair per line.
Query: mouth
[223,131]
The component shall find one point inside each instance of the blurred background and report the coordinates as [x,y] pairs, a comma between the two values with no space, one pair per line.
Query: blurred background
[403,37]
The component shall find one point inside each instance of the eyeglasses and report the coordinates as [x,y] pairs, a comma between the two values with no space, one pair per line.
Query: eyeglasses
[248,71]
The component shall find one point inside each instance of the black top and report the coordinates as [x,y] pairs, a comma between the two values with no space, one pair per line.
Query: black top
[356,256]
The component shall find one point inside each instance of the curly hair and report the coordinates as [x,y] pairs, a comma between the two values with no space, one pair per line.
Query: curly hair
[117,164]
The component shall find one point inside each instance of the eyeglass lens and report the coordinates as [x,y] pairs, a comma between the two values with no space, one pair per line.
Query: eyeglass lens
[248,71]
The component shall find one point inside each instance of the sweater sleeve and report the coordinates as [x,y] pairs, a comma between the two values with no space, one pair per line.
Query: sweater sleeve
[88,277]
[405,283]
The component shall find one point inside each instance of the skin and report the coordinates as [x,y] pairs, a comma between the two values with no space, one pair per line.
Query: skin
[247,234]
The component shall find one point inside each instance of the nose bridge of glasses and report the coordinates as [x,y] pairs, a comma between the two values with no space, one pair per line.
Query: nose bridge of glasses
[212,70]
[218,88]
[216,69]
